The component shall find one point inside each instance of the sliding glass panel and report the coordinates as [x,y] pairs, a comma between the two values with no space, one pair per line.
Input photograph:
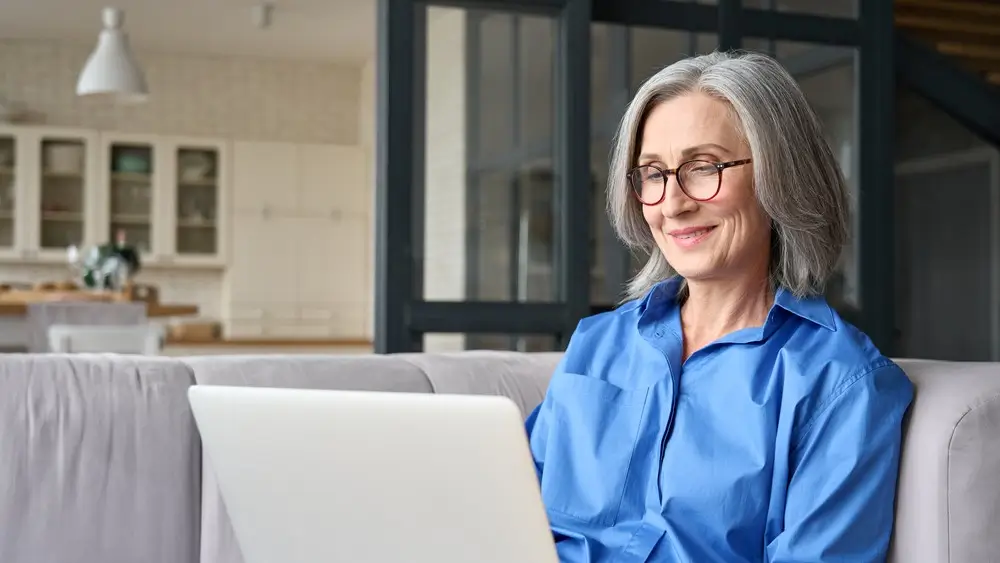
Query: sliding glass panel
[489,178]
[947,237]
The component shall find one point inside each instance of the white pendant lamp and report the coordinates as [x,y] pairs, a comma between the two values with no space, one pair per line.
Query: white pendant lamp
[112,71]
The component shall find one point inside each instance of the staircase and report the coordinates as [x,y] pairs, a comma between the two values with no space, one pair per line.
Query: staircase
[966,30]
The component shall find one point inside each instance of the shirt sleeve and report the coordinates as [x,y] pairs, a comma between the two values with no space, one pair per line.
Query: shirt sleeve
[841,493]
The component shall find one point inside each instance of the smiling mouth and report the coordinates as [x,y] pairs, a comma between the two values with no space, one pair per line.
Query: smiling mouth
[691,235]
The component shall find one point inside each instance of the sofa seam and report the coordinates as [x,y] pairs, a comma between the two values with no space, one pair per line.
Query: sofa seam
[423,372]
[951,440]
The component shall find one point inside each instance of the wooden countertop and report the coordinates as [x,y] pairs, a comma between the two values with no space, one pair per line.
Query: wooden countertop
[272,343]
[157,310]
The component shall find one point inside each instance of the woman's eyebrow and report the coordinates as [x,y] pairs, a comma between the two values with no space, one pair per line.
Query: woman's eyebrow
[698,149]
[686,153]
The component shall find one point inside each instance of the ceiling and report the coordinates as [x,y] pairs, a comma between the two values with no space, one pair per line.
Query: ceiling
[333,30]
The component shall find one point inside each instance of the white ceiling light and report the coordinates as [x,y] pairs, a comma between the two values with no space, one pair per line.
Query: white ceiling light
[112,70]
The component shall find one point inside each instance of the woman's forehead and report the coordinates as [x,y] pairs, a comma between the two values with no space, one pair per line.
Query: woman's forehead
[689,122]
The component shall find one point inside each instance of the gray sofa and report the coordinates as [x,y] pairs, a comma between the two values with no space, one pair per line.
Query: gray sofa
[100,460]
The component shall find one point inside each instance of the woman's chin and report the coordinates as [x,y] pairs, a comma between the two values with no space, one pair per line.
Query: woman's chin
[692,267]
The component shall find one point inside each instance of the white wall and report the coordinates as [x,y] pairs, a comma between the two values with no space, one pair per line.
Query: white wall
[222,97]
[250,99]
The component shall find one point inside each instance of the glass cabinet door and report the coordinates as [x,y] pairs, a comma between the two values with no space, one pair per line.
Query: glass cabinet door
[197,205]
[131,193]
[63,192]
[8,189]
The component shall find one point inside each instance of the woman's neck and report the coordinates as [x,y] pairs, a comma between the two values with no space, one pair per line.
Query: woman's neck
[714,309]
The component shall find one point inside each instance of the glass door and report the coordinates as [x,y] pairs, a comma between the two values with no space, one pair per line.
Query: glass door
[481,242]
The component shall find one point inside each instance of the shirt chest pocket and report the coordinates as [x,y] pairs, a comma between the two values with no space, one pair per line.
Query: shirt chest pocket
[591,443]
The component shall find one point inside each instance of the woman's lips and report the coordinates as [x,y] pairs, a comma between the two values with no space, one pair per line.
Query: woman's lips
[692,236]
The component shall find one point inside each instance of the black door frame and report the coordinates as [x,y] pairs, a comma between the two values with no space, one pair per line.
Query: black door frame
[402,316]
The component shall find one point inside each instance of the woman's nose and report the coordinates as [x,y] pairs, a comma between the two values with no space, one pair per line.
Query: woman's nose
[675,201]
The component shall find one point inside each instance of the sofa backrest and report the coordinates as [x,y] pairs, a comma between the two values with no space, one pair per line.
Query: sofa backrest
[948,496]
[100,459]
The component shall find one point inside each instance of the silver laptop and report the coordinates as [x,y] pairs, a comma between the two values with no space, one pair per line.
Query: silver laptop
[358,477]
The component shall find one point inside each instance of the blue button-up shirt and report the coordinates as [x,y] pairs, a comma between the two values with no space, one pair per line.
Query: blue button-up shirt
[776,443]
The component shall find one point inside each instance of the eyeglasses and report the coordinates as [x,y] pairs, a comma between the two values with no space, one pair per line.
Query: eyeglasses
[700,180]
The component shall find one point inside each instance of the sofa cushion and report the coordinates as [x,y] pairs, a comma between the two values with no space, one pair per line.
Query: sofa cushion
[99,460]
[524,378]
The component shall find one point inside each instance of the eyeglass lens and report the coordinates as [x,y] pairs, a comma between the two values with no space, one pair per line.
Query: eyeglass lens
[698,178]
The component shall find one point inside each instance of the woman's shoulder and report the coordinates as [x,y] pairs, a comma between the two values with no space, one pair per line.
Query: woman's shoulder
[837,346]
[820,364]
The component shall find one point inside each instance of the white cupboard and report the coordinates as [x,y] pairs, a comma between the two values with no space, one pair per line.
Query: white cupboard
[62,187]
[48,178]
[285,226]
[168,195]
[300,242]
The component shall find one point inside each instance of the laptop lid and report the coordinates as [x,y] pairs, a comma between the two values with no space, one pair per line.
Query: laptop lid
[356,476]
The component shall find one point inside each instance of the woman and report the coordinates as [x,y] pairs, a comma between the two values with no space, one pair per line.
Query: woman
[725,412]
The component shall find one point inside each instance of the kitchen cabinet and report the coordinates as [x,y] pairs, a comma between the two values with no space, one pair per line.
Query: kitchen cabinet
[300,242]
[48,178]
[63,187]
[264,178]
[168,195]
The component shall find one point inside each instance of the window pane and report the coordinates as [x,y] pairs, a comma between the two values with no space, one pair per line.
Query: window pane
[947,240]
[654,48]
[490,183]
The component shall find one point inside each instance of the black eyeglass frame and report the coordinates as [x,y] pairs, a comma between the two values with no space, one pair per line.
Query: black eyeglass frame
[666,172]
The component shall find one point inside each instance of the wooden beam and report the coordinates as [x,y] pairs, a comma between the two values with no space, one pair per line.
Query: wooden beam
[938,24]
[968,50]
[956,6]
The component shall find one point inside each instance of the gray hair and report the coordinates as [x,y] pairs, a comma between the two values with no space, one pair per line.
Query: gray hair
[797,180]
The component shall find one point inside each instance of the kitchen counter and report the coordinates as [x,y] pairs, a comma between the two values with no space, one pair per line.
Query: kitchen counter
[153,310]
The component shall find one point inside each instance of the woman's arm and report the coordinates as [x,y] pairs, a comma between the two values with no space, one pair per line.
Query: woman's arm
[840,499]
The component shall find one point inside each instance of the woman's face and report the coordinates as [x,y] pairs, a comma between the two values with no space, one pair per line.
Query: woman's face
[727,236]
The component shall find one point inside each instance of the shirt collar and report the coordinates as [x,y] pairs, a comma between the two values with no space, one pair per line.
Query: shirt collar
[814,309]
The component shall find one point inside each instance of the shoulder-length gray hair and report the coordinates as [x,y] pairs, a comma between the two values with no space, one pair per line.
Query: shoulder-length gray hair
[797,180]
